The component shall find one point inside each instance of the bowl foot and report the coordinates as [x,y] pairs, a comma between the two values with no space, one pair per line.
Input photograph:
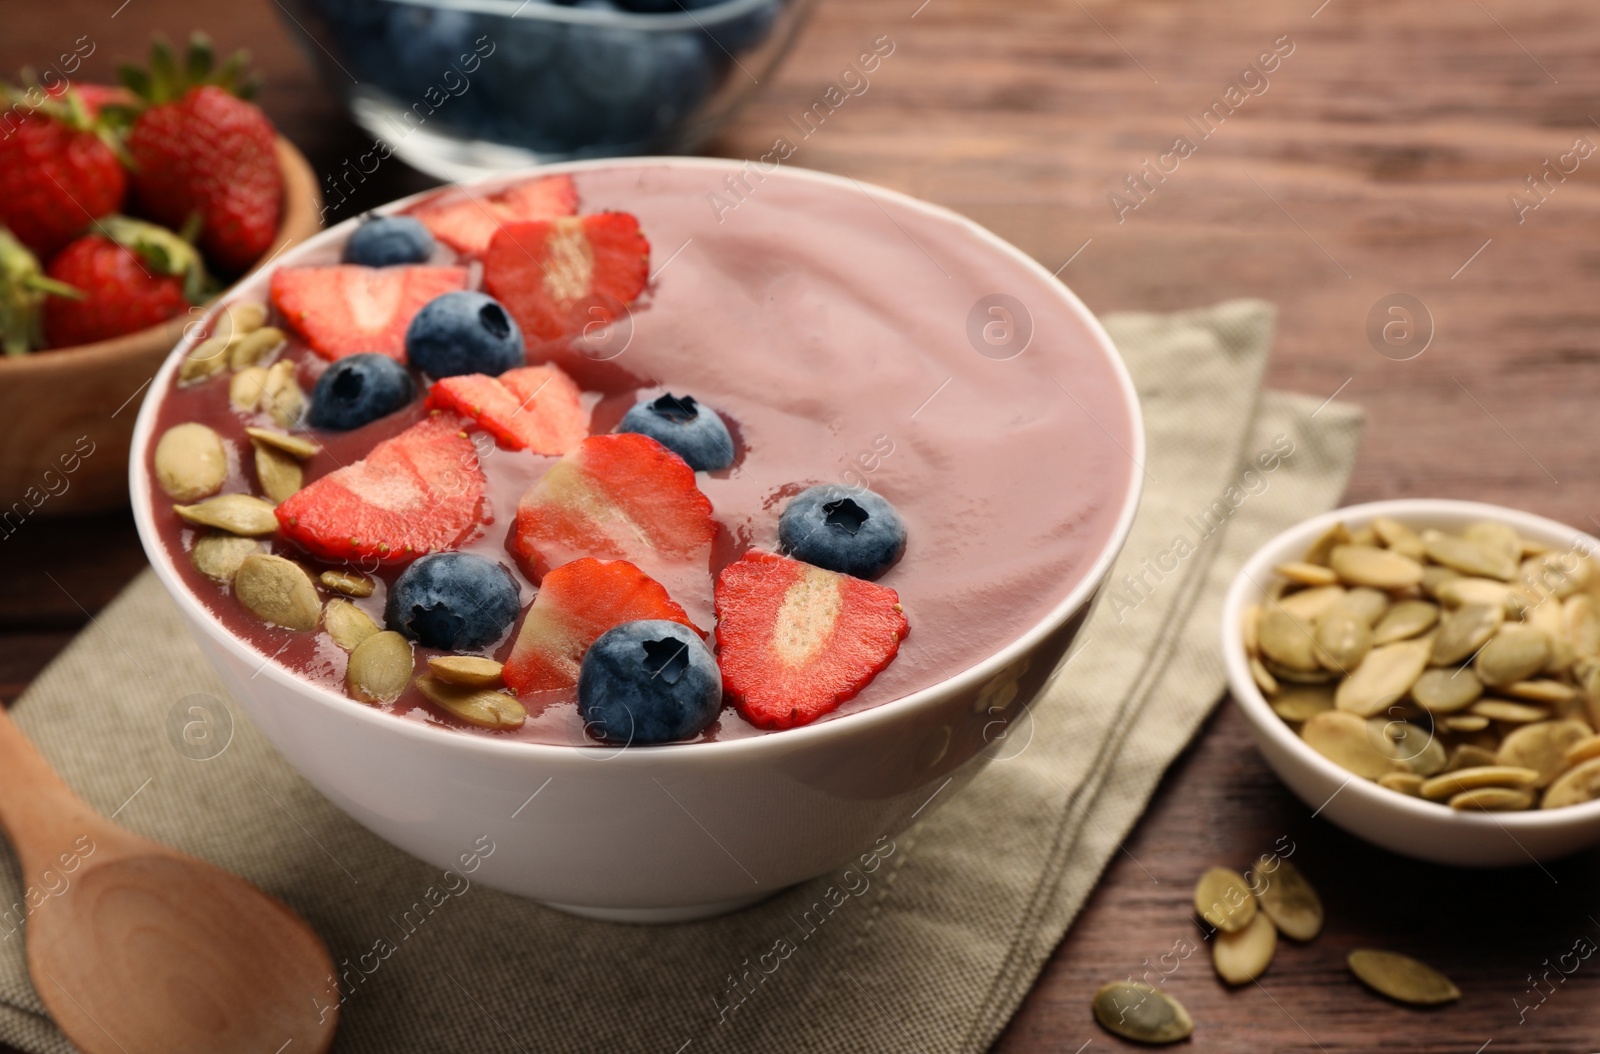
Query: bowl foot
[681,913]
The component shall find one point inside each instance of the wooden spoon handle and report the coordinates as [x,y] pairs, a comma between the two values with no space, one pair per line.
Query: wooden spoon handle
[40,813]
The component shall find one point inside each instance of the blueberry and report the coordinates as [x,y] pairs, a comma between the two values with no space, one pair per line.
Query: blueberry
[648,682]
[359,389]
[463,332]
[853,532]
[453,601]
[679,423]
[383,241]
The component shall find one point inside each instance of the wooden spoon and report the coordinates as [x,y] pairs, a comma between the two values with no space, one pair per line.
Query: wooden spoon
[135,947]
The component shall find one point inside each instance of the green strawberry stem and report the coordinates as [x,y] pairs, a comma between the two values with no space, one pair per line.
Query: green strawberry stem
[165,252]
[23,287]
[166,81]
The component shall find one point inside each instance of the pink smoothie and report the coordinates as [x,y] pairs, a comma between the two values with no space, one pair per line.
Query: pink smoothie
[830,328]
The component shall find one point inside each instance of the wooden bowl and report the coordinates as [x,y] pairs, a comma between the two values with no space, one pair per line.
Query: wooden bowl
[66,415]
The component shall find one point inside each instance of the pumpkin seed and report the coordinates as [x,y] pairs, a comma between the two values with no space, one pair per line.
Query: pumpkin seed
[1541,691]
[246,389]
[1301,702]
[1492,799]
[253,347]
[1555,574]
[1463,631]
[1342,640]
[347,624]
[476,706]
[1284,673]
[1365,603]
[218,556]
[277,591]
[1365,536]
[1446,690]
[1468,557]
[1307,574]
[1581,751]
[1249,622]
[1514,655]
[1286,640]
[1141,1012]
[1509,712]
[1575,786]
[1405,620]
[346,582]
[1289,900]
[1365,565]
[1580,617]
[206,359]
[1223,898]
[1454,782]
[1497,537]
[1462,590]
[191,462]
[241,317]
[241,514]
[470,670]
[279,474]
[298,447]
[1410,744]
[1308,605]
[1467,723]
[1404,782]
[281,396]
[1541,746]
[1338,534]
[1263,677]
[1435,579]
[1241,957]
[1384,676]
[1402,978]
[1398,537]
[1342,738]
[1468,756]
[380,668]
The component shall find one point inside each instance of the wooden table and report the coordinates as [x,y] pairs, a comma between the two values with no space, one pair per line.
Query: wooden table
[1379,157]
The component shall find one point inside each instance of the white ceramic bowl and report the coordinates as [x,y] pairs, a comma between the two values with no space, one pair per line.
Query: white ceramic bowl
[661,833]
[1410,826]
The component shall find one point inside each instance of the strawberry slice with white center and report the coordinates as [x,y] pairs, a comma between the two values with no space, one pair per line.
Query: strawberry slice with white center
[344,309]
[468,224]
[414,493]
[536,408]
[794,641]
[577,602]
[558,278]
[623,497]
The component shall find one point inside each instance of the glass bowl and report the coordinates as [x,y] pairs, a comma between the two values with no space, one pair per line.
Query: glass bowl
[461,88]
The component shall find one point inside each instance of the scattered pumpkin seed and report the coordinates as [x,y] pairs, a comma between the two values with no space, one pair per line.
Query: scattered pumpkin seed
[1451,783]
[1366,603]
[1342,738]
[1248,622]
[1384,677]
[206,359]
[191,462]
[1343,639]
[1284,673]
[1555,574]
[1542,746]
[1338,534]
[470,670]
[218,556]
[1288,899]
[1492,799]
[1405,782]
[1414,746]
[1575,786]
[1462,590]
[1223,898]
[281,397]
[1308,605]
[1446,690]
[252,347]
[246,389]
[1141,1012]
[1263,677]
[1405,620]
[1463,631]
[1496,537]
[1435,579]
[241,514]
[298,447]
[1398,537]
[1507,711]
[279,474]
[1468,756]
[1581,751]
[1365,565]
[1402,978]
[476,706]
[1466,723]
[1580,617]
[1541,691]
[347,624]
[1301,702]
[1286,640]
[379,668]
[1307,574]
[1242,956]
[277,591]
[242,317]
[347,582]
[1467,556]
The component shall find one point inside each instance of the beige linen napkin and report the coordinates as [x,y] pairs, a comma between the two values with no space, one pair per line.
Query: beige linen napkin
[931,951]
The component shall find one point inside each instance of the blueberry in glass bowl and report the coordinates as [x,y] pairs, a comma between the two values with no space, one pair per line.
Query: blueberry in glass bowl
[459,88]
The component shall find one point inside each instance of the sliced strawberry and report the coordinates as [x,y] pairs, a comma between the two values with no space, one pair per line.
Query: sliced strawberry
[534,408]
[468,224]
[795,641]
[622,497]
[416,492]
[346,309]
[560,276]
[576,603]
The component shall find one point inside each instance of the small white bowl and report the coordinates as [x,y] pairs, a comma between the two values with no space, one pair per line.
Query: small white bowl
[1409,826]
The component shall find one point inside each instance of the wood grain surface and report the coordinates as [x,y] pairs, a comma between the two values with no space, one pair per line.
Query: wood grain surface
[1383,153]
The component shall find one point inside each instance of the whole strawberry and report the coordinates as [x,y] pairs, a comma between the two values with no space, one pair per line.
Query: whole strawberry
[132,275]
[202,153]
[58,170]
